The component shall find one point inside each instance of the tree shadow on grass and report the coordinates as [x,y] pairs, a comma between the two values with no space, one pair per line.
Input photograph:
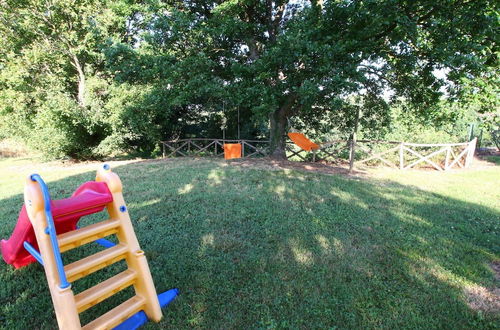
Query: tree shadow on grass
[284,249]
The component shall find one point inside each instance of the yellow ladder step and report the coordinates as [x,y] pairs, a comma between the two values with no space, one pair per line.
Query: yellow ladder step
[76,238]
[117,315]
[93,263]
[103,290]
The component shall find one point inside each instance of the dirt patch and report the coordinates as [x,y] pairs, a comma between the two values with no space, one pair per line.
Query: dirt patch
[486,300]
[272,164]
[338,168]
[341,168]
[483,299]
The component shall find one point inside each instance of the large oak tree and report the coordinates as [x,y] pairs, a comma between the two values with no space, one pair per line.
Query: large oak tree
[283,59]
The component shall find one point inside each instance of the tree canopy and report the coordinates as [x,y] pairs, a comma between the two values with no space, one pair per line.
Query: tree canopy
[127,74]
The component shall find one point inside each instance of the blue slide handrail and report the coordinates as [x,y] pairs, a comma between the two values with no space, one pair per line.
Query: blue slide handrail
[51,230]
[33,252]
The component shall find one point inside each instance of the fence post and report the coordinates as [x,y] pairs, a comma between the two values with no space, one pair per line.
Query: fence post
[353,141]
[447,159]
[163,149]
[242,147]
[470,152]
[401,156]
[352,152]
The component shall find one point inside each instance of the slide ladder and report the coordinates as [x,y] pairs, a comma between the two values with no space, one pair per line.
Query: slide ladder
[134,311]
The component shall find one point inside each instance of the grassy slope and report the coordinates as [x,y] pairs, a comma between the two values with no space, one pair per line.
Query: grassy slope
[285,249]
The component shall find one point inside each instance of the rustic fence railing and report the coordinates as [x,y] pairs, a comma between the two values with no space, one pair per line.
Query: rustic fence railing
[404,155]
[213,147]
[395,154]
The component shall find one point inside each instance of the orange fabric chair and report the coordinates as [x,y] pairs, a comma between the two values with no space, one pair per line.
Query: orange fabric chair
[302,141]
[232,150]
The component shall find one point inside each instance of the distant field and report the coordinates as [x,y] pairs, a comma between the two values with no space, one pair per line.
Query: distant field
[261,248]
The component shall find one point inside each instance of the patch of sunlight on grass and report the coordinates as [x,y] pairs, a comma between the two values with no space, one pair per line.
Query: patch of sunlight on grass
[288,173]
[215,177]
[422,240]
[346,196]
[479,182]
[317,220]
[146,203]
[429,267]
[338,247]
[280,190]
[412,219]
[208,240]
[441,273]
[302,255]
[477,297]
[186,189]
[323,242]
[343,195]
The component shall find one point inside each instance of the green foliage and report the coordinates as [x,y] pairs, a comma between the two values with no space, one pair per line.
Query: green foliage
[57,128]
[302,60]
[132,118]
[481,105]
[54,90]
[143,71]
[409,127]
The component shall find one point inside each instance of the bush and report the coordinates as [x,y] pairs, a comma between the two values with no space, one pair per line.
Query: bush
[61,128]
[132,117]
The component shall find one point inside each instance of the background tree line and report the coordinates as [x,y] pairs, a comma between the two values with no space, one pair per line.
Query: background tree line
[85,79]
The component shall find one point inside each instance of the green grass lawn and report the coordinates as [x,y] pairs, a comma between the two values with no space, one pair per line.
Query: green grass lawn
[257,248]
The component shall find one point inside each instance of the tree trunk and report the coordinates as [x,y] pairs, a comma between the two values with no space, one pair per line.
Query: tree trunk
[277,134]
[278,119]
[81,81]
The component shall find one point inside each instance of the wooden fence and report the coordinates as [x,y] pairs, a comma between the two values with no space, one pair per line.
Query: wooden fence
[404,155]
[213,147]
[401,155]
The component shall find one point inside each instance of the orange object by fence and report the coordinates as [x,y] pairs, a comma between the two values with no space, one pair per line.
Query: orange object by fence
[232,150]
[302,141]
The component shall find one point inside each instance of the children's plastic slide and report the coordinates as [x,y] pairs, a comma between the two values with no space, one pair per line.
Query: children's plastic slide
[90,198]
[47,228]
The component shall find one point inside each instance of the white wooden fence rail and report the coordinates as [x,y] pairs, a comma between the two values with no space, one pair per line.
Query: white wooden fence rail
[401,155]
[447,155]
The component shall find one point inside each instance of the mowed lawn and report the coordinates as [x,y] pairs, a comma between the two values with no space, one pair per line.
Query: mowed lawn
[257,248]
